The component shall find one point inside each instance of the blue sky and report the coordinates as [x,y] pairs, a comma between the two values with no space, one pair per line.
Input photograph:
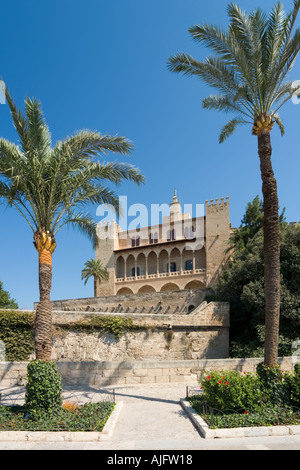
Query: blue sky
[101,65]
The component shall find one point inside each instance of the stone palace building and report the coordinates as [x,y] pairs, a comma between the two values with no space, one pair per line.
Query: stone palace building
[181,253]
[158,276]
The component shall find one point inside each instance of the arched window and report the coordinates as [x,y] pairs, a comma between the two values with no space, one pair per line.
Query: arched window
[153,238]
[133,271]
[135,241]
[189,265]
[171,235]
[172,267]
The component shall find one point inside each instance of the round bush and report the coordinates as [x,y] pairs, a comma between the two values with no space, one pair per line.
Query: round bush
[231,390]
[273,384]
[44,387]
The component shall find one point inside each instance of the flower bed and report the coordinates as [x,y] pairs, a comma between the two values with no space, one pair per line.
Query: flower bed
[232,399]
[71,417]
[263,416]
[45,410]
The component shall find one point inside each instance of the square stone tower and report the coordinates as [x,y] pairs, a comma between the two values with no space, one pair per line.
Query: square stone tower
[217,233]
[108,234]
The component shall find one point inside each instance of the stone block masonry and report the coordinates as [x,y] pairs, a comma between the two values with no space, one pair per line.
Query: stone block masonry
[203,334]
[172,302]
[110,373]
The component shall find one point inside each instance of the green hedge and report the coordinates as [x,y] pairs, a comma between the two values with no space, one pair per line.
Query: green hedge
[17,334]
[234,390]
[44,387]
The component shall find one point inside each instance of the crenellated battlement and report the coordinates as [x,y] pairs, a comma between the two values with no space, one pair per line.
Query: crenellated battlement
[218,203]
[107,230]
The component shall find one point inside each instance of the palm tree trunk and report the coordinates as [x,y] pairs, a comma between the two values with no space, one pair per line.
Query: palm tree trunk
[43,319]
[271,251]
[95,286]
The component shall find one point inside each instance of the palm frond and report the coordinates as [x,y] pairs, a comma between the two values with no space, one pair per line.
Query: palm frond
[213,71]
[38,135]
[84,222]
[94,268]
[278,121]
[223,103]
[87,144]
[229,128]
[50,186]
[118,172]
[213,37]
[251,61]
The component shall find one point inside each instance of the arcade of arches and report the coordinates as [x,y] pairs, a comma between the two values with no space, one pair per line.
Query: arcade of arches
[160,270]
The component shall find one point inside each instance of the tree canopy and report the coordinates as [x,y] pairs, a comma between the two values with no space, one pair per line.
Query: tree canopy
[242,284]
[5,299]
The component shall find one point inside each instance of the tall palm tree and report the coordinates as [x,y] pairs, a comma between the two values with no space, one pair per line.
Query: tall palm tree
[96,269]
[249,69]
[51,186]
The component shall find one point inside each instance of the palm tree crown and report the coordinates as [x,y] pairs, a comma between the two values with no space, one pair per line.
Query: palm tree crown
[94,268]
[250,65]
[249,70]
[51,186]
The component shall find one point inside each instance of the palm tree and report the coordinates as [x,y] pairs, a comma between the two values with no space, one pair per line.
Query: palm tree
[249,69]
[51,186]
[96,269]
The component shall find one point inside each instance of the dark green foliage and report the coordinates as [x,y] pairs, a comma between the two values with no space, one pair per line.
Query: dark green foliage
[246,391]
[44,388]
[232,390]
[251,222]
[276,389]
[268,415]
[234,399]
[114,325]
[5,300]
[88,417]
[242,284]
[16,332]
[295,386]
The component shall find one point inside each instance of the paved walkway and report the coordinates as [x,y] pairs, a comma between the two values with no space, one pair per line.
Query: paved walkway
[151,418]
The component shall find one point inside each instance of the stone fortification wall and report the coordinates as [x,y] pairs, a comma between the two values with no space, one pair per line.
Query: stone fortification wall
[110,373]
[152,336]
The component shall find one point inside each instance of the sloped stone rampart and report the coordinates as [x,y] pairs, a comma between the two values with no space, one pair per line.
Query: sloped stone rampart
[158,337]
[178,302]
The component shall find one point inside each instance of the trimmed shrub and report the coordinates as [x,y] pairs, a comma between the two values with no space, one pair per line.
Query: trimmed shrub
[295,386]
[275,384]
[232,390]
[16,332]
[44,388]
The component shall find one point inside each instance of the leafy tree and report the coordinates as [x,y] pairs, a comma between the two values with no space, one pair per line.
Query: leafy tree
[94,268]
[52,186]
[5,299]
[249,70]
[242,284]
[251,222]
